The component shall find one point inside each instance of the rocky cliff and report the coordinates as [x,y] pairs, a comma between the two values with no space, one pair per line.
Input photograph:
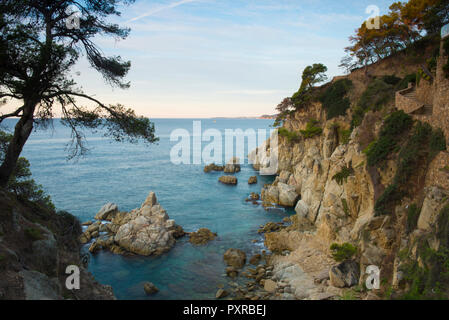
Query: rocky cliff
[36,246]
[393,211]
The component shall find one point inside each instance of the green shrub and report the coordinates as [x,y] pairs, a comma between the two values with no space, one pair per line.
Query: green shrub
[387,200]
[290,135]
[403,84]
[343,175]
[334,98]
[391,80]
[430,279]
[34,234]
[419,150]
[357,117]
[412,217]
[343,252]
[395,124]
[377,94]
[437,142]
[311,129]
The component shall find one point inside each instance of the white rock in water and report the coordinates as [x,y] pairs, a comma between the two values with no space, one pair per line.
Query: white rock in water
[107,211]
[148,230]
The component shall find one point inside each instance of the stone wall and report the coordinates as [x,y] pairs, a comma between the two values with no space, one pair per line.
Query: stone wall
[405,103]
[440,116]
[436,94]
[425,92]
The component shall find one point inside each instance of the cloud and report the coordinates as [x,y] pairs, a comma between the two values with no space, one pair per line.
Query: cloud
[162,8]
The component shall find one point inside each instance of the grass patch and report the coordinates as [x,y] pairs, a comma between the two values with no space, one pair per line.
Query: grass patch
[312,129]
[342,252]
[334,99]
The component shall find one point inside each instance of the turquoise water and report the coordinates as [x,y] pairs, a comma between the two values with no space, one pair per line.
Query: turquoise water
[124,174]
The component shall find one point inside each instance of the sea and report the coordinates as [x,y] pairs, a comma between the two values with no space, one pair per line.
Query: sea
[124,173]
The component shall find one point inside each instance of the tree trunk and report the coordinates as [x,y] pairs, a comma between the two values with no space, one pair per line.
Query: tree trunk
[22,131]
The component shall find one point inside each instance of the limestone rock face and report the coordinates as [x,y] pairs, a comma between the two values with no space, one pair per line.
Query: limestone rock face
[107,212]
[346,274]
[147,230]
[228,180]
[431,207]
[235,258]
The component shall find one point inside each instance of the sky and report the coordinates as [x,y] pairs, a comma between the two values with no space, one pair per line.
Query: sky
[223,58]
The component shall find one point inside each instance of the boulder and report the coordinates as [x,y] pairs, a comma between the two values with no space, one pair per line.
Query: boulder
[345,274]
[107,212]
[213,167]
[254,196]
[38,286]
[270,285]
[235,258]
[252,180]
[94,247]
[93,227]
[302,209]
[45,254]
[150,288]
[221,293]
[228,180]
[232,166]
[287,195]
[255,259]
[202,236]
[84,237]
[148,230]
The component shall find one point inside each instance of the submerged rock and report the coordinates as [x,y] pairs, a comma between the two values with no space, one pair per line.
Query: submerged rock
[252,180]
[213,167]
[235,258]
[150,288]
[221,293]
[228,180]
